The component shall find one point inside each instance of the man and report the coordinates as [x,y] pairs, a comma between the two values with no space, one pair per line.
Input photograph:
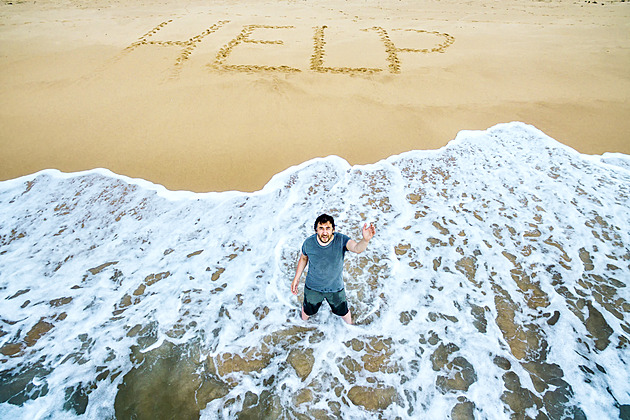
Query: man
[324,252]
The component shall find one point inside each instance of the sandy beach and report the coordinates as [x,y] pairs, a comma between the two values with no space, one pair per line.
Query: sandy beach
[222,96]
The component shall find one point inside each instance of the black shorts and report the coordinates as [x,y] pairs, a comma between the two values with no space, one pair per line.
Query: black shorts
[313,300]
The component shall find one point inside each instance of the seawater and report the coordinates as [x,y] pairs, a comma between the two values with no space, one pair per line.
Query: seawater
[496,286]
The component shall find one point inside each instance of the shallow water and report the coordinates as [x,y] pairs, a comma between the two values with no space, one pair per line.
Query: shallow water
[495,287]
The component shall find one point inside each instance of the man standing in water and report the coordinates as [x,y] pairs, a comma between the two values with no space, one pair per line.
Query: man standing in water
[324,252]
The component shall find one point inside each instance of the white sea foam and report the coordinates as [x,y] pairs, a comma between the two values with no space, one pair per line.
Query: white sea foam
[496,283]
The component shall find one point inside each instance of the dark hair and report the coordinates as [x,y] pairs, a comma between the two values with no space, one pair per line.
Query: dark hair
[323,219]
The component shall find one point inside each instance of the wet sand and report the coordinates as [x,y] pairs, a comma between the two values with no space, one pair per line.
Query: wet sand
[496,287]
[223,96]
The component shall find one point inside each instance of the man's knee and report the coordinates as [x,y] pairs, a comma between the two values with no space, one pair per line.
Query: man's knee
[310,309]
[341,309]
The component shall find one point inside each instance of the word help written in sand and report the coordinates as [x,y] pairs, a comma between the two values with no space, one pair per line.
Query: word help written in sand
[317,61]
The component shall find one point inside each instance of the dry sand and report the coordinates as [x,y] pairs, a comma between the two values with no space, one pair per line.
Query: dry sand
[210,97]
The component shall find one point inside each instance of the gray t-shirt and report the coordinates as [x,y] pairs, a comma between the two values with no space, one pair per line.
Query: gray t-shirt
[325,263]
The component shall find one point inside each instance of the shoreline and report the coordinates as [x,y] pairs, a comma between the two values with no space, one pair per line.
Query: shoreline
[610,160]
[480,262]
[173,112]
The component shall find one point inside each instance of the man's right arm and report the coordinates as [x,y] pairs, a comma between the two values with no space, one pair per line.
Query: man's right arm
[301,265]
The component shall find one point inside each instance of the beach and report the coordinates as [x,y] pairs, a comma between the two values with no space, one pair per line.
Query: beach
[221,97]
[162,163]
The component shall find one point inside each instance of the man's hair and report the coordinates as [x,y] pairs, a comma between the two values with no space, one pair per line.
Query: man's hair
[323,219]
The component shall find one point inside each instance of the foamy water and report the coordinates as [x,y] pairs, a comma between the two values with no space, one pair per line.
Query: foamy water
[496,284]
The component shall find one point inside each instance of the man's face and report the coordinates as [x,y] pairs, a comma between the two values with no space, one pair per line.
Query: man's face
[325,232]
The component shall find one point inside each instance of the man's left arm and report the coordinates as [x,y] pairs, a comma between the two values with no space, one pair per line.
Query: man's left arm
[368,233]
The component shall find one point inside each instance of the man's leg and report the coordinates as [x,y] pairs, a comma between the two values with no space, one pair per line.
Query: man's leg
[339,305]
[304,316]
[348,318]
[312,301]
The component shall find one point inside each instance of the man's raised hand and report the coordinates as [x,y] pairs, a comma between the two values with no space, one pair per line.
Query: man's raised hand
[368,231]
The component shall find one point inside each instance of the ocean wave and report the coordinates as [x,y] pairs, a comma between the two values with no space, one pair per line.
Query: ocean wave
[496,284]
